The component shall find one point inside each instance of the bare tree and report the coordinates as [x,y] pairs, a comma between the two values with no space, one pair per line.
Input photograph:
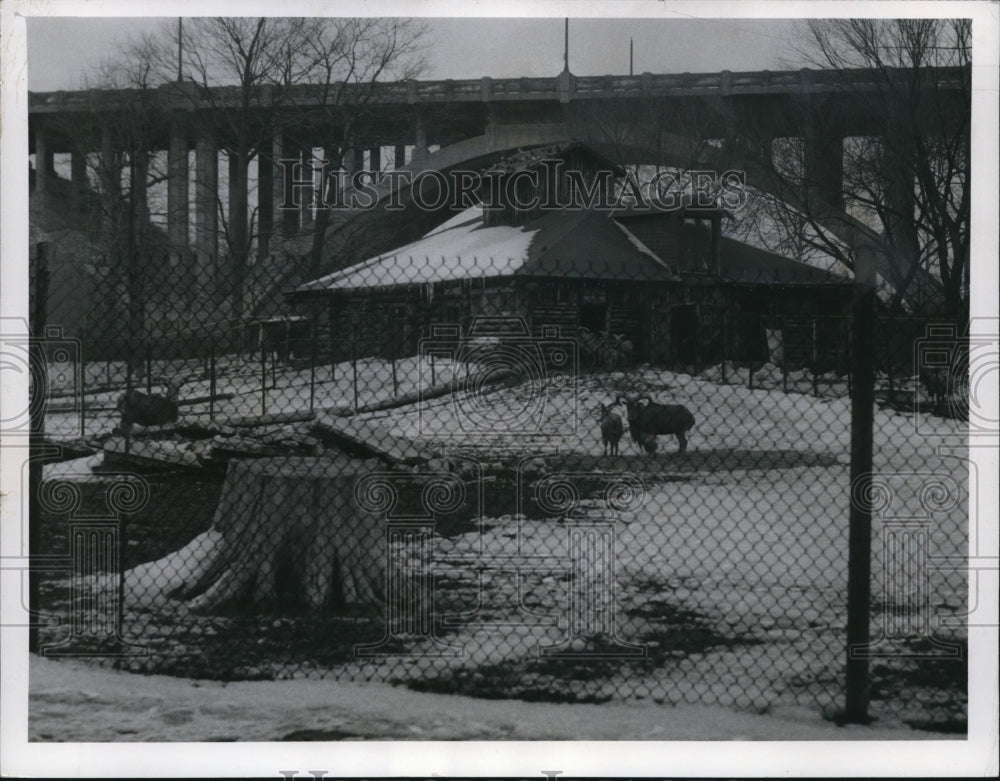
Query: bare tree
[339,60]
[349,57]
[123,91]
[907,178]
[124,87]
[249,55]
[902,185]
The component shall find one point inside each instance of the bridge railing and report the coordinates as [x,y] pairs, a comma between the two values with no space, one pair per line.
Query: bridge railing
[952,78]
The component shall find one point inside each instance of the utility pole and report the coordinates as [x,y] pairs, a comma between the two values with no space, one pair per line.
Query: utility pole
[631,71]
[180,48]
[566,46]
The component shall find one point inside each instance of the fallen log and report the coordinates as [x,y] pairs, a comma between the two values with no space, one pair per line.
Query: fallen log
[478,380]
[151,454]
[369,439]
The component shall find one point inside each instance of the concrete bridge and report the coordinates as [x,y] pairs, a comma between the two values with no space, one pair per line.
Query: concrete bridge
[406,119]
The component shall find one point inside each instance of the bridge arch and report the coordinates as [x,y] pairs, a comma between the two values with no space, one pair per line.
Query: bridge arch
[356,234]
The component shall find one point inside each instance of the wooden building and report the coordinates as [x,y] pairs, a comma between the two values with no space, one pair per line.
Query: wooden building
[733,293]
[669,282]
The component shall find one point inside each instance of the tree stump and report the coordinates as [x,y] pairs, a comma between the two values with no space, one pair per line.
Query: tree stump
[286,531]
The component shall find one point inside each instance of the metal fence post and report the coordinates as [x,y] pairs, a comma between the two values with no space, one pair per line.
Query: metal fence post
[392,354]
[149,366]
[890,350]
[725,350]
[860,519]
[211,383]
[263,375]
[354,361]
[129,343]
[784,359]
[36,416]
[312,366]
[815,359]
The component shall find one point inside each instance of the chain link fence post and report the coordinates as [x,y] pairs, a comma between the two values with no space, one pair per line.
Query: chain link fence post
[37,427]
[862,368]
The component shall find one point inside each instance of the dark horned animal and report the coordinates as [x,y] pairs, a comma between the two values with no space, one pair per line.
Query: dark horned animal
[611,430]
[148,409]
[935,381]
[646,422]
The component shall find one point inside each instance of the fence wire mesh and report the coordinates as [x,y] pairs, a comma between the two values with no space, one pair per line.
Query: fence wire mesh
[589,484]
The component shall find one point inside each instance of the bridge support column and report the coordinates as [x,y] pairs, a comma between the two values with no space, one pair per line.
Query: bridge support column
[110,175]
[177,189]
[824,166]
[235,201]
[206,206]
[265,198]
[288,218]
[490,130]
[78,175]
[375,162]
[43,161]
[307,195]
[353,161]
[900,201]
[765,150]
[419,137]
[141,193]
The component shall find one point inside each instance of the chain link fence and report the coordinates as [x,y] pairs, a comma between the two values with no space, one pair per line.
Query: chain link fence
[453,476]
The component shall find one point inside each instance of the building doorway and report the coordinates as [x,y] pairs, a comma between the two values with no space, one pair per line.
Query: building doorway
[684,334]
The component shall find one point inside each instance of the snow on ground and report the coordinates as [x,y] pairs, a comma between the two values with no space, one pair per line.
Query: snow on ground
[749,530]
[72,701]
[286,390]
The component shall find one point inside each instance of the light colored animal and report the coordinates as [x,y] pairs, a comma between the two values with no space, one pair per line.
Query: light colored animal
[647,421]
[611,429]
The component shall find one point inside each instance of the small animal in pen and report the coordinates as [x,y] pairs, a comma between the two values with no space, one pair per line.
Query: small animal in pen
[612,429]
[936,383]
[148,409]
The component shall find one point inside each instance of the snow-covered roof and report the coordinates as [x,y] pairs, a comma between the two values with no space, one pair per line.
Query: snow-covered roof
[461,248]
[570,245]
